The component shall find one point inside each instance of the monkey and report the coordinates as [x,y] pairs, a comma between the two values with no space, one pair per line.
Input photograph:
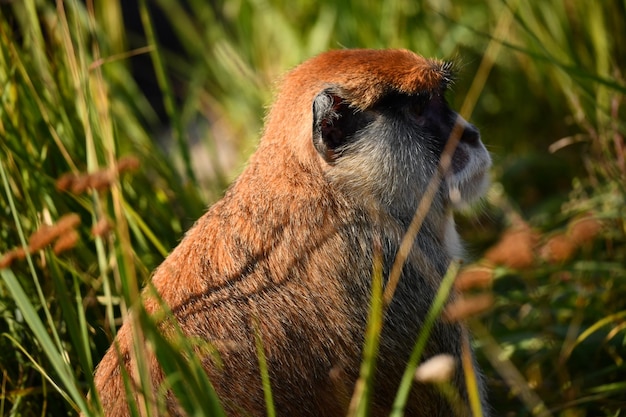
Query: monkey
[348,149]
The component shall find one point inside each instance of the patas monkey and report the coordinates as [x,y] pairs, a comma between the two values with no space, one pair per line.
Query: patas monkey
[348,149]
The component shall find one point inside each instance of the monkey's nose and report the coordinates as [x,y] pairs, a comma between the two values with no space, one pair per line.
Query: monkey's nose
[470,134]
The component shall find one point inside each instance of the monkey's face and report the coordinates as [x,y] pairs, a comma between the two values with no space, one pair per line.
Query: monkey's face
[379,125]
[389,152]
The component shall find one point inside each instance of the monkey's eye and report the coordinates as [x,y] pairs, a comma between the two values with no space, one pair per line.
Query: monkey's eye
[417,106]
[412,106]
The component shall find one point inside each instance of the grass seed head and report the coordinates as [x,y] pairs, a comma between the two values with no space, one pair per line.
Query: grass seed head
[42,237]
[66,222]
[80,184]
[12,255]
[515,249]
[584,230]
[473,277]
[436,370]
[557,249]
[65,182]
[66,242]
[128,163]
[465,307]
[100,180]
[101,228]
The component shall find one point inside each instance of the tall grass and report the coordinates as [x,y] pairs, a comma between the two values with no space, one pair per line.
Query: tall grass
[71,110]
[66,112]
[557,317]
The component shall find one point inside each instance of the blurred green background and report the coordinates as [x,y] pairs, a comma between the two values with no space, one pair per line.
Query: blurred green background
[183,88]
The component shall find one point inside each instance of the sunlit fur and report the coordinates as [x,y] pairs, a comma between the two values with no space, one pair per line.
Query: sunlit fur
[292,245]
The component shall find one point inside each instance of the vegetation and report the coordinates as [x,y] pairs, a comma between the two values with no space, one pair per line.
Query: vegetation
[100,176]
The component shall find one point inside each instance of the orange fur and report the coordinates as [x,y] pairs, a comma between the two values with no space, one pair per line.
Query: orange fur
[289,247]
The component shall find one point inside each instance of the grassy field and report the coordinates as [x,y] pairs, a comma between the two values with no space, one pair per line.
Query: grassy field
[120,122]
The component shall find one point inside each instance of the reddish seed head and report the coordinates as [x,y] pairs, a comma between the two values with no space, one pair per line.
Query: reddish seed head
[557,249]
[66,242]
[515,248]
[127,163]
[463,308]
[41,238]
[584,230]
[473,277]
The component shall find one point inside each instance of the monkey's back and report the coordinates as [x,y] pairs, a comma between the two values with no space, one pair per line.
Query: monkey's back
[296,270]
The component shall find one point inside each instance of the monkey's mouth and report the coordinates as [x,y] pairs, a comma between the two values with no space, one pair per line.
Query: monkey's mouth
[460,159]
[468,175]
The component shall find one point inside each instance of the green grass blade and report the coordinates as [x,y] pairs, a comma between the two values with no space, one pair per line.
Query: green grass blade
[39,368]
[31,267]
[611,318]
[360,403]
[184,373]
[55,356]
[433,314]
[168,94]
[265,376]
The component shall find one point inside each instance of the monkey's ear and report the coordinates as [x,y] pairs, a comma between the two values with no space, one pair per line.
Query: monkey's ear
[333,123]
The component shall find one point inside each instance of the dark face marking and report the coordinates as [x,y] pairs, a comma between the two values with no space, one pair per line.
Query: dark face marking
[335,123]
[413,129]
[431,120]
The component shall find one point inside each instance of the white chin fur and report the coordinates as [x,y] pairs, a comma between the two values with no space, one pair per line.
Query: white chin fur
[472,181]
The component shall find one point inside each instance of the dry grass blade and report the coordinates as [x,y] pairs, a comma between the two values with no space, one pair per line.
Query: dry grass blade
[509,372]
[426,201]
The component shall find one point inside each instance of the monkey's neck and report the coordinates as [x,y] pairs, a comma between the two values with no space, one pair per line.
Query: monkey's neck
[310,200]
[435,233]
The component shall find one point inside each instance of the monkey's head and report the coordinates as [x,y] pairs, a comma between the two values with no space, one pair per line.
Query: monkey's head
[377,122]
